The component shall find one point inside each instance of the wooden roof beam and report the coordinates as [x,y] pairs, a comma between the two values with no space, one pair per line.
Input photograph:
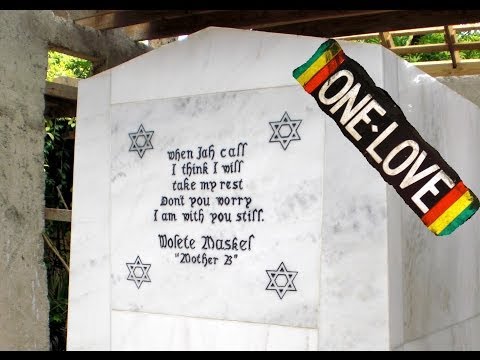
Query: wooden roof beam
[80,14]
[424,48]
[444,68]
[408,32]
[387,39]
[451,40]
[124,18]
[58,215]
[358,37]
[243,19]
[429,48]
[374,23]
[435,29]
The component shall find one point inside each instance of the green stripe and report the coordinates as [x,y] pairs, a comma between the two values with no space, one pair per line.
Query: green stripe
[302,68]
[461,218]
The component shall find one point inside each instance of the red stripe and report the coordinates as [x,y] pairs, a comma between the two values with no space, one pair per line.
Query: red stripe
[325,72]
[440,207]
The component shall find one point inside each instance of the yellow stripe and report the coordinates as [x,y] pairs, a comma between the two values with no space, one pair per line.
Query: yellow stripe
[451,213]
[318,64]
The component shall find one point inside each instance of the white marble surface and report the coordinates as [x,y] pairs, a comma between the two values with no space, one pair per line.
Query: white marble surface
[395,207]
[89,285]
[286,184]
[354,291]
[464,336]
[134,330]
[440,275]
[354,268]
[370,275]
[225,60]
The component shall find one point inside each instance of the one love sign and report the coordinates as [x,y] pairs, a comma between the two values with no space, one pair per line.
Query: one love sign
[374,123]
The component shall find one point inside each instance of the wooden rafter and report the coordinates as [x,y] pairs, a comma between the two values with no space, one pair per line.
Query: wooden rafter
[339,24]
[408,32]
[387,39]
[444,68]
[375,23]
[80,14]
[429,48]
[153,24]
[242,19]
[451,40]
[58,215]
[125,18]
[451,44]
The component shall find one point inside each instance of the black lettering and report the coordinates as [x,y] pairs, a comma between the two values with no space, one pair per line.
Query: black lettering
[208,185]
[194,216]
[220,217]
[184,185]
[178,154]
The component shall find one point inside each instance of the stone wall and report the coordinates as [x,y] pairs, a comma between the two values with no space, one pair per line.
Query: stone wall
[25,37]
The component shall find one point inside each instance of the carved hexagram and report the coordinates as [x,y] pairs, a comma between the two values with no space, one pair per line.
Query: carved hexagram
[138,272]
[285,130]
[136,141]
[281,280]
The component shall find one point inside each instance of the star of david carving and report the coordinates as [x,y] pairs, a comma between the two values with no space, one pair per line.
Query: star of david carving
[138,272]
[141,141]
[281,280]
[285,131]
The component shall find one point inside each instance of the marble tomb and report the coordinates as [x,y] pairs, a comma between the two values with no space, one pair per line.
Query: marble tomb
[216,207]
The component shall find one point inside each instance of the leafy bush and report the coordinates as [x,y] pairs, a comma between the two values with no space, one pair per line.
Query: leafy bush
[435,38]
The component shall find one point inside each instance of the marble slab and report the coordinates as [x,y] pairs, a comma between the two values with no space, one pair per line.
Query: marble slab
[463,336]
[354,268]
[440,276]
[225,60]
[89,284]
[288,231]
[131,331]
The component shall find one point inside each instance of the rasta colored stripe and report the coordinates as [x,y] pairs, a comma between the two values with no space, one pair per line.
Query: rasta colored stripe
[302,68]
[448,200]
[458,212]
[310,68]
[462,217]
[375,124]
[325,72]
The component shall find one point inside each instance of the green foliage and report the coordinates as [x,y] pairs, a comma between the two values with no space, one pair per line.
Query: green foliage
[372,41]
[57,285]
[65,65]
[58,166]
[435,38]
[469,36]
[58,154]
